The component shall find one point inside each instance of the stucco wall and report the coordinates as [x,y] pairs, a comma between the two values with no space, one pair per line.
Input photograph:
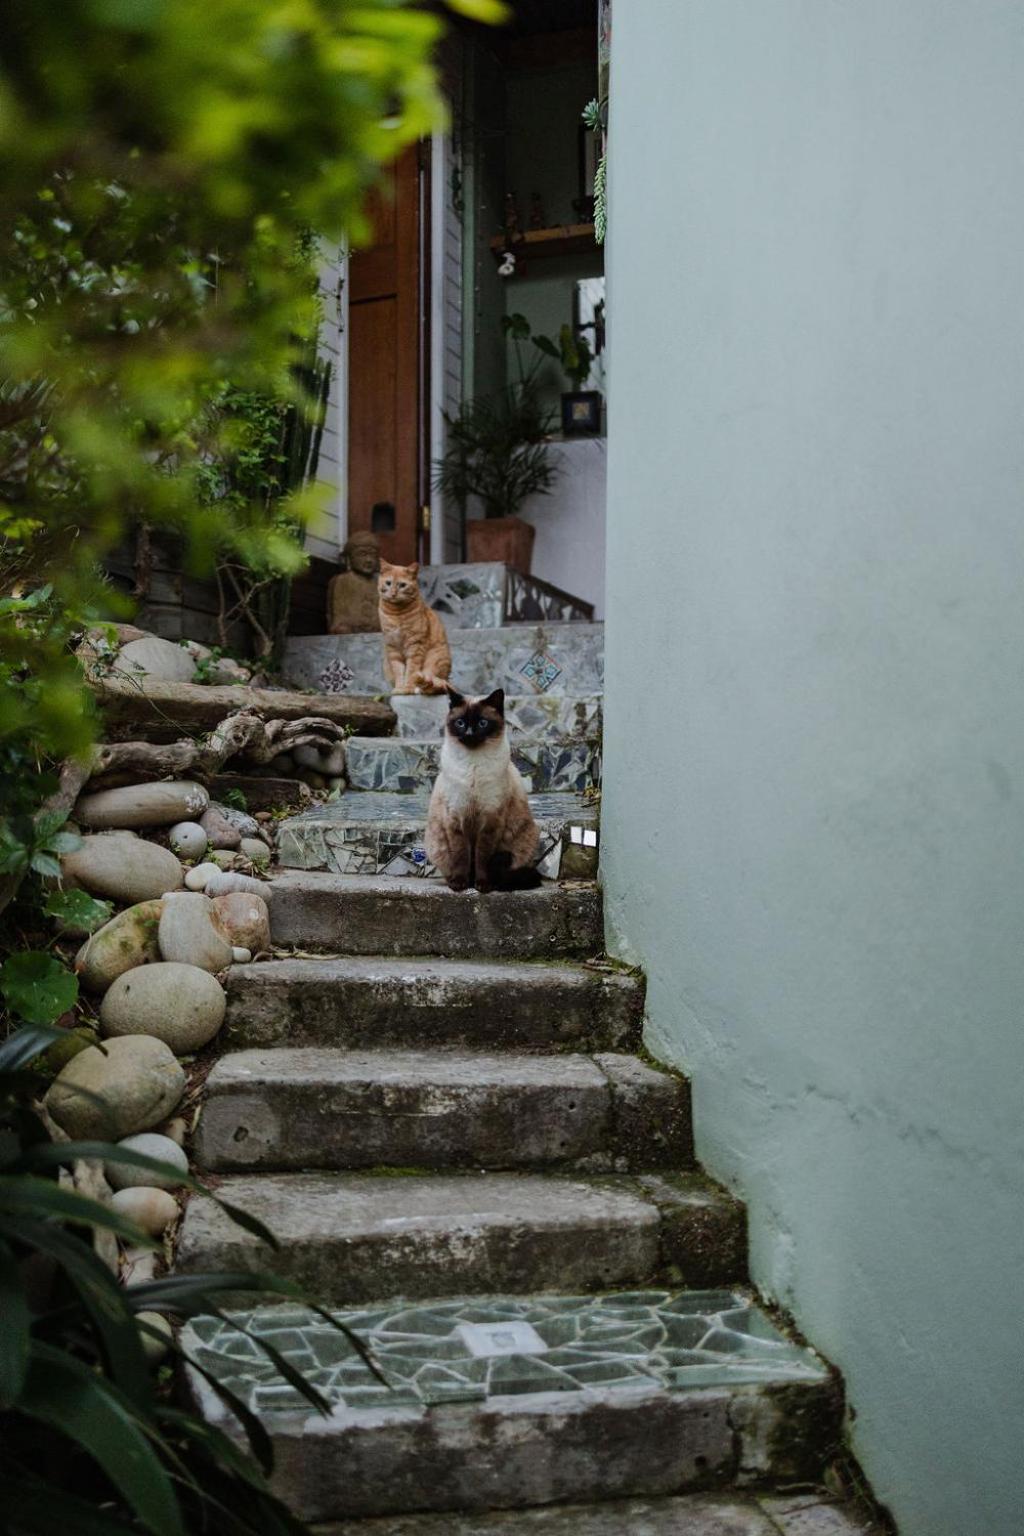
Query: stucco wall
[814,799]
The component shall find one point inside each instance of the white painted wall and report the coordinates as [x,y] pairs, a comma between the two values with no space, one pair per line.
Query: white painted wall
[570,522]
[324,532]
[813,820]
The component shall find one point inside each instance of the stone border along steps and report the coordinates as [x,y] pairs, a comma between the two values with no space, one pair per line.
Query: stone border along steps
[468,1123]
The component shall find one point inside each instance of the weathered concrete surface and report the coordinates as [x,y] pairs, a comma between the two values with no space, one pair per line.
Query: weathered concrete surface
[690,1515]
[322,1108]
[350,1238]
[363,1002]
[379,915]
[540,1448]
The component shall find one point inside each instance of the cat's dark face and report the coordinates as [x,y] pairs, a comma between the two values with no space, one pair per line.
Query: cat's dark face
[473,722]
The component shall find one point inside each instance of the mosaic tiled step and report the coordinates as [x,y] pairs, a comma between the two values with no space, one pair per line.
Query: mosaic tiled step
[314,1108]
[523,658]
[366,832]
[553,715]
[487,593]
[375,914]
[692,1514]
[405,765]
[361,1003]
[351,1238]
[508,1402]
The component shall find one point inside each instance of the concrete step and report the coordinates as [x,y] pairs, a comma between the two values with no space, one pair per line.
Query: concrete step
[517,1402]
[379,915]
[350,1237]
[314,1108]
[362,1003]
[695,1514]
[406,765]
[546,715]
[365,832]
[521,658]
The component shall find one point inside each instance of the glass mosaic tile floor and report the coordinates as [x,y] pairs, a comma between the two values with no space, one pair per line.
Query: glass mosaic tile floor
[473,1348]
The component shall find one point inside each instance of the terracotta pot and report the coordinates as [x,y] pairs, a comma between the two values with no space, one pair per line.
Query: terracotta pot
[508,539]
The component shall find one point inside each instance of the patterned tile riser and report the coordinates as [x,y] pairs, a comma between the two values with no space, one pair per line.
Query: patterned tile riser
[471,1349]
[487,595]
[566,659]
[368,832]
[406,766]
[542,714]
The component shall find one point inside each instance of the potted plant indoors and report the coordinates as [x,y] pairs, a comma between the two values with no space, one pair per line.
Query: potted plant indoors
[498,451]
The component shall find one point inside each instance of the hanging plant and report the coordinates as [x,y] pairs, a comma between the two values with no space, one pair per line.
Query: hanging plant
[592,120]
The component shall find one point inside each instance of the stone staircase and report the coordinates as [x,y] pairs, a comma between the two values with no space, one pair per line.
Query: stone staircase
[439,1105]
[439,1110]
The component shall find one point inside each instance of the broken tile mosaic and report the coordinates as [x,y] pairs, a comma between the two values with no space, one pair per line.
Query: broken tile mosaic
[470,1349]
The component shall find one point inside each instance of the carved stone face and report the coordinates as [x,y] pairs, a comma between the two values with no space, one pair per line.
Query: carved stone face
[363,559]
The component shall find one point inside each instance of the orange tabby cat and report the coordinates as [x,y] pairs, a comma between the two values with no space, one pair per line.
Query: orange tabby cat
[417,658]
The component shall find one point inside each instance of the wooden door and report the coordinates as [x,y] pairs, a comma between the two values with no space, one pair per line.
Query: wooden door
[385,408]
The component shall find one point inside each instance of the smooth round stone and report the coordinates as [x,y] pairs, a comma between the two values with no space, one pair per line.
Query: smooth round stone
[142,805]
[255,848]
[240,955]
[307,755]
[150,1208]
[219,831]
[247,825]
[153,657]
[123,867]
[182,1006]
[190,933]
[129,1086]
[333,762]
[149,1144]
[187,840]
[127,941]
[154,1349]
[226,858]
[195,879]
[175,1129]
[226,881]
[245,919]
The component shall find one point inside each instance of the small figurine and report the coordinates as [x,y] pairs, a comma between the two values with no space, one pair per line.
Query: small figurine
[352,607]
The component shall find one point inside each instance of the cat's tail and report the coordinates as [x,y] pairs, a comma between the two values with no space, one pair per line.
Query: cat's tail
[505,878]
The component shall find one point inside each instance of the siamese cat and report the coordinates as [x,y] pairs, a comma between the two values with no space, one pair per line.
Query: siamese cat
[480,830]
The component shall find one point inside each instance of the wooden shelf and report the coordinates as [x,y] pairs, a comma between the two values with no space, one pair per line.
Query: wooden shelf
[561,240]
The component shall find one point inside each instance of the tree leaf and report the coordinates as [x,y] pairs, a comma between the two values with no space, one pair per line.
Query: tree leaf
[66,1395]
[77,909]
[23,1195]
[15,1327]
[26,1043]
[39,1509]
[37,987]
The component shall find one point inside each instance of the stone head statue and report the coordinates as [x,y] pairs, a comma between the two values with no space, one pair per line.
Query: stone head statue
[352,595]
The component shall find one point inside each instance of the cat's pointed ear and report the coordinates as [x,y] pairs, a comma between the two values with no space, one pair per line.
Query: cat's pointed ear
[495,700]
[414,569]
[455,699]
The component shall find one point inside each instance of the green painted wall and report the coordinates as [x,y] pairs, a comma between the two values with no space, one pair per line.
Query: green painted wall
[813,819]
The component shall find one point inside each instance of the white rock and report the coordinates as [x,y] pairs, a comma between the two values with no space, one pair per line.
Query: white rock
[175,1129]
[181,1006]
[227,858]
[130,1085]
[195,879]
[241,956]
[190,932]
[142,805]
[149,1144]
[123,867]
[225,881]
[219,830]
[187,840]
[154,1349]
[153,657]
[333,762]
[245,919]
[255,848]
[150,1208]
[247,825]
[127,941]
[225,671]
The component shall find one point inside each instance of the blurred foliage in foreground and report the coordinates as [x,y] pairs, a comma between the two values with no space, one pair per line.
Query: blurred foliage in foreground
[164,164]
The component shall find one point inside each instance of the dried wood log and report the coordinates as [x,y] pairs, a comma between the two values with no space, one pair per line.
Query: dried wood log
[243,735]
[159,711]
